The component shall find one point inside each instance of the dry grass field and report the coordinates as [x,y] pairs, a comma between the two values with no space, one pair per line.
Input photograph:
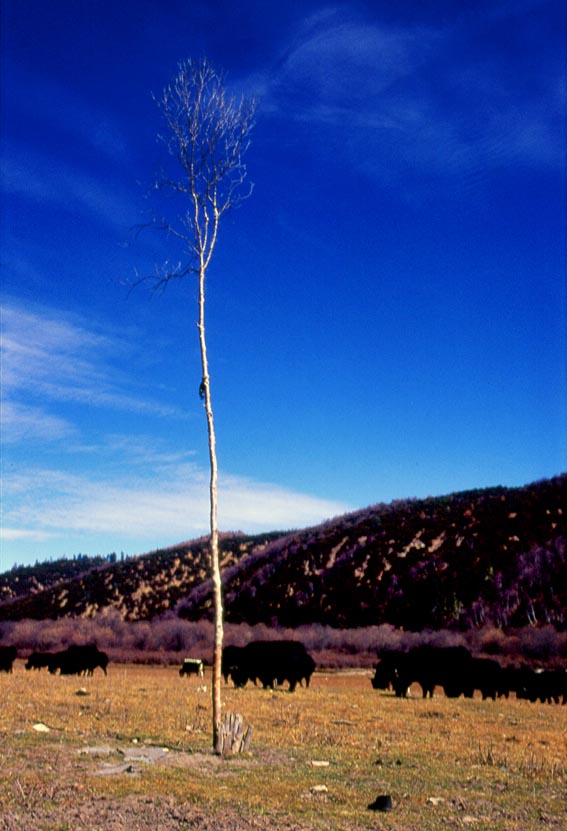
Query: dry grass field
[132,751]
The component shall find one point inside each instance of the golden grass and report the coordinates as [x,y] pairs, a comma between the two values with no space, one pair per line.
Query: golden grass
[446,763]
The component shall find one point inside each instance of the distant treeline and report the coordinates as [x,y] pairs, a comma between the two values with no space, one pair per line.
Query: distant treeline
[21,580]
[86,561]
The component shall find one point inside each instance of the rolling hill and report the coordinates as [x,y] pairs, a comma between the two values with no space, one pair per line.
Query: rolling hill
[459,561]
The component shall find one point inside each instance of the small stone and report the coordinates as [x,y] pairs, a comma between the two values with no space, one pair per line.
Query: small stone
[319,789]
[381,803]
[116,770]
[98,750]
[41,728]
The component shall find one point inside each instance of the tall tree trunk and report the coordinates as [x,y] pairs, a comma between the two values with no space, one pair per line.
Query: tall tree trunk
[214,541]
[208,135]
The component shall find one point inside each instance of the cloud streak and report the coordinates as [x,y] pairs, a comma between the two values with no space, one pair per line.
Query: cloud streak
[19,423]
[156,509]
[48,181]
[135,489]
[88,134]
[56,360]
[401,102]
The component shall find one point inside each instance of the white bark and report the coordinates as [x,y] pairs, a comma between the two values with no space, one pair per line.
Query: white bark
[214,540]
[208,135]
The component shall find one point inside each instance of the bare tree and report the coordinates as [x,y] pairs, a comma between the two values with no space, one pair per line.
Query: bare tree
[207,135]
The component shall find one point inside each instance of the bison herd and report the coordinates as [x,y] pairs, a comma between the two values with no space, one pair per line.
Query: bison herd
[75,660]
[458,673]
[267,662]
[273,663]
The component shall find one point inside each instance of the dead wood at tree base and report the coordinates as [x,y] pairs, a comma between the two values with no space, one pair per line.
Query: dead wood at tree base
[234,735]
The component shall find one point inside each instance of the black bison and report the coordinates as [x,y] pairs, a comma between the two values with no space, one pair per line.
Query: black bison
[508,681]
[547,686]
[192,666]
[78,660]
[39,660]
[230,666]
[482,674]
[269,662]
[429,666]
[454,669]
[8,655]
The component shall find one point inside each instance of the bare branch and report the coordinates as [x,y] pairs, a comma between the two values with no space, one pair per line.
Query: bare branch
[208,135]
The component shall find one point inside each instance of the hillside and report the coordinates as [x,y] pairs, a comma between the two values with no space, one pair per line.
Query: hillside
[21,581]
[140,588]
[494,555]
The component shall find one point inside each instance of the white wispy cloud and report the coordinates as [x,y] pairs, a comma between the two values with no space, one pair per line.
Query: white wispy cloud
[19,423]
[50,181]
[337,68]
[53,503]
[136,489]
[406,99]
[85,180]
[18,535]
[60,360]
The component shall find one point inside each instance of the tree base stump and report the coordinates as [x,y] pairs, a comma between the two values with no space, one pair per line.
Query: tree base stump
[233,735]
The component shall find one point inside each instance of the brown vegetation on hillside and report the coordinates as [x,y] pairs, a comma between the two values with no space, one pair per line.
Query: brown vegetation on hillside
[488,556]
[139,588]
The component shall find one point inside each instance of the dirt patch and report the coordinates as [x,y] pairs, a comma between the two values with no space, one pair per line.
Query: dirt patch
[68,806]
[109,760]
[134,813]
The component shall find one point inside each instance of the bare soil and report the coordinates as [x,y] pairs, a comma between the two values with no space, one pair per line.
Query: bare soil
[136,813]
[63,802]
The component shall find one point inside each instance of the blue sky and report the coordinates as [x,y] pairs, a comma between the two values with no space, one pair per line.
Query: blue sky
[386,312]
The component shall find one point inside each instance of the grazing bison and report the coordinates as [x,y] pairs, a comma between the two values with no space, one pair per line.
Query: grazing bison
[488,677]
[39,660]
[547,686]
[233,665]
[269,662]
[192,666]
[65,663]
[8,655]
[89,657]
[507,681]
[429,666]
[78,660]
[386,671]
[483,674]
[454,669]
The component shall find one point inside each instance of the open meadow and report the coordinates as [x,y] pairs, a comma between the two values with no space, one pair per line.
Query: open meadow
[132,751]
